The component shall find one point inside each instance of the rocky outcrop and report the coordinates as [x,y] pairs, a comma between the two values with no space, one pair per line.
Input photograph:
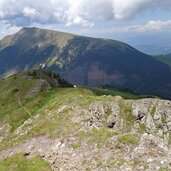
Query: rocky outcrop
[155,115]
[52,79]
[108,134]
[104,114]
[42,85]
[152,114]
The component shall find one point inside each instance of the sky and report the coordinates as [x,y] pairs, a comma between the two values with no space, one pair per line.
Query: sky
[115,19]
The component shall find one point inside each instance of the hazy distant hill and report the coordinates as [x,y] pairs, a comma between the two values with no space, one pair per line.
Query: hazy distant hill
[166,59]
[150,43]
[85,61]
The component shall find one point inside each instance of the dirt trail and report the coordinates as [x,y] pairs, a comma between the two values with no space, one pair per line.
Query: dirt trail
[20,104]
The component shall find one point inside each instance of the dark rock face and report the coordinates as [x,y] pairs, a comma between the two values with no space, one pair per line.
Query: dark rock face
[48,79]
[140,116]
[85,61]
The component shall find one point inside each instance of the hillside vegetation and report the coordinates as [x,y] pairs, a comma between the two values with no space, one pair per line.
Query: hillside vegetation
[20,163]
[45,127]
[26,89]
[23,95]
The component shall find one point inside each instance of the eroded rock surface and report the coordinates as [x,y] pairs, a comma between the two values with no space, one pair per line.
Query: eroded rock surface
[105,135]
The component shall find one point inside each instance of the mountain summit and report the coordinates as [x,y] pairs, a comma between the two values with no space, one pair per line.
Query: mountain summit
[85,61]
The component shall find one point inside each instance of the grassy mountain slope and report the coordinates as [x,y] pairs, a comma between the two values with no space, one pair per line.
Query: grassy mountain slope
[74,129]
[30,47]
[22,98]
[26,90]
[41,38]
[27,87]
[85,61]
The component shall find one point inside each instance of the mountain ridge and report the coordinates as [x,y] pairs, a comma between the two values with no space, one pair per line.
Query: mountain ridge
[74,129]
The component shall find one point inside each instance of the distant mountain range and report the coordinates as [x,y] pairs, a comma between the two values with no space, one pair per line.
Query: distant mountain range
[150,43]
[85,61]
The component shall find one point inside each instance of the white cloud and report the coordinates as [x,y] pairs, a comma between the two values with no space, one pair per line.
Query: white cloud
[155,26]
[129,8]
[158,25]
[74,12]
[30,12]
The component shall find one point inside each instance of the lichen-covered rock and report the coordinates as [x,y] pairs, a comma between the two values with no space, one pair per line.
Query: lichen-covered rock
[96,113]
[156,116]
[113,112]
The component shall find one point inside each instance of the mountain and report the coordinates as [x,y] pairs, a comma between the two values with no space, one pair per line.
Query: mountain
[59,128]
[85,61]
